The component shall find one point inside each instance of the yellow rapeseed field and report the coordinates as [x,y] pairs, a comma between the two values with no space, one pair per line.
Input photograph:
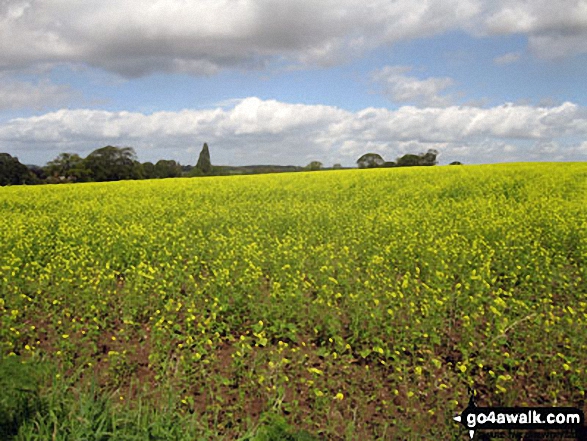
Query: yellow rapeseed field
[358,304]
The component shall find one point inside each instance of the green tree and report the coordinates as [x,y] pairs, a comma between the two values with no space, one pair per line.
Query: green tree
[12,172]
[314,166]
[38,172]
[137,170]
[167,169]
[148,170]
[370,160]
[411,160]
[408,160]
[336,166]
[112,164]
[186,169]
[429,158]
[204,164]
[68,166]
[456,163]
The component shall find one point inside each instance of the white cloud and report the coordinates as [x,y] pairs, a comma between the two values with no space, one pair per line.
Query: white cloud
[401,88]
[554,29]
[137,37]
[510,57]
[22,95]
[258,131]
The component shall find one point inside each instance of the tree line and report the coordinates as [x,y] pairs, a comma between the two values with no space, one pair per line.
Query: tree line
[120,163]
[374,160]
[104,164]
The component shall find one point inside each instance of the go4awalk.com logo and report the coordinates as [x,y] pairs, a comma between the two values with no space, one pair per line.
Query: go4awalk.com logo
[544,422]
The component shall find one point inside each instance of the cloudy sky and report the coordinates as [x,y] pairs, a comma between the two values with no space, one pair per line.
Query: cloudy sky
[291,81]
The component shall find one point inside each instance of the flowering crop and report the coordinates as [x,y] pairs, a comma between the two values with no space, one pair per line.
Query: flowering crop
[369,299]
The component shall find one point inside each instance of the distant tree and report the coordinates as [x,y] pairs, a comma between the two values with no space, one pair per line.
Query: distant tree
[336,167]
[389,164]
[61,165]
[204,164]
[314,166]
[148,170]
[429,158]
[137,170]
[456,163]
[167,169]
[186,169]
[12,172]
[67,167]
[38,172]
[195,172]
[370,160]
[408,160]
[112,164]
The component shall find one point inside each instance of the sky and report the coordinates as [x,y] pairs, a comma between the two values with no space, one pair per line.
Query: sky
[293,81]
